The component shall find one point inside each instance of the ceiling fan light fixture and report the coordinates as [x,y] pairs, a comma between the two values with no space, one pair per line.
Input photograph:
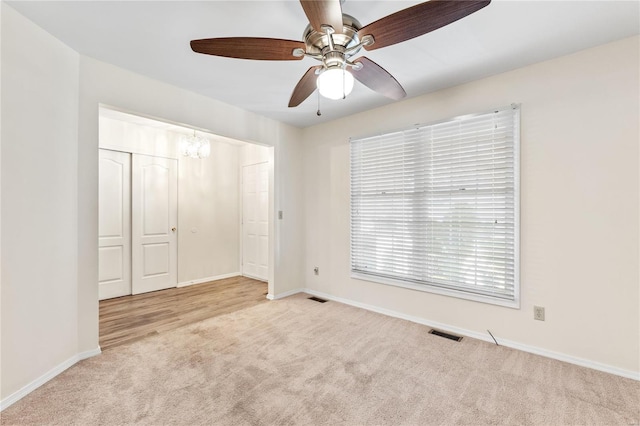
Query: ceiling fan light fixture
[335,83]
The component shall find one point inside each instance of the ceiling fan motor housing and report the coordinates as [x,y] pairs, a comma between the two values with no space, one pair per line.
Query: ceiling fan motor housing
[335,58]
[317,42]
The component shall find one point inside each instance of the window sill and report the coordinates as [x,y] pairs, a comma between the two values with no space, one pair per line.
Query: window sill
[514,304]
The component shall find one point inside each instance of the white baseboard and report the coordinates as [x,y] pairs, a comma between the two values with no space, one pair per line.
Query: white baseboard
[253,277]
[285,294]
[207,279]
[481,336]
[26,390]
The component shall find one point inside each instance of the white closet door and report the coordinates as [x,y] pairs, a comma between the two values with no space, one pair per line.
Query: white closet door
[154,221]
[255,221]
[114,224]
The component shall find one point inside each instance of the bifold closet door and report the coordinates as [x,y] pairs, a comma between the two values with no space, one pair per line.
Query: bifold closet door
[154,221]
[114,224]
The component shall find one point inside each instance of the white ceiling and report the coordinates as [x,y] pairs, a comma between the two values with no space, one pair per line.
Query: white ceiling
[152,38]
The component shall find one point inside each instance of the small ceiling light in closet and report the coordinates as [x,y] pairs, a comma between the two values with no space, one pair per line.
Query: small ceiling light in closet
[195,146]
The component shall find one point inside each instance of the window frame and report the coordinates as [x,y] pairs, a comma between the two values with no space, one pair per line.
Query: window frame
[430,287]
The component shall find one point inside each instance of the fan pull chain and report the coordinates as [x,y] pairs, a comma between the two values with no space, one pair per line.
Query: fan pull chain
[318,113]
[344,70]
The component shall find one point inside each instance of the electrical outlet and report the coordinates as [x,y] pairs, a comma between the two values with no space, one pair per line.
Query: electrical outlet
[280,214]
[538,313]
[316,270]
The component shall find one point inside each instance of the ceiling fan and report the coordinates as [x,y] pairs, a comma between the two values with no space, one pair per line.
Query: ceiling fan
[333,38]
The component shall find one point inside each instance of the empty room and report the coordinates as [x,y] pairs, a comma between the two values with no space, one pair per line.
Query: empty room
[320,212]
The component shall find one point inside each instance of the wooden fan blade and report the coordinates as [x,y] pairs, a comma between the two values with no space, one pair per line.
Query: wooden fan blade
[305,87]
[418,20]
[378,79]
[267,49]
[323,13]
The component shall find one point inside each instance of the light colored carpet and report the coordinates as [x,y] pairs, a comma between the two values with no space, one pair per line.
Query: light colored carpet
[295,361]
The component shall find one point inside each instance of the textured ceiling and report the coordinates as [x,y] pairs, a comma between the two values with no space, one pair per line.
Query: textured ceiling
[152,38]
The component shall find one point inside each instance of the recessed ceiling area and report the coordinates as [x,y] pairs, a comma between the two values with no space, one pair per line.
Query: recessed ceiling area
[152,38]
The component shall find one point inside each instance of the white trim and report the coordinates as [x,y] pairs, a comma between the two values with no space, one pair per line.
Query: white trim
[482,336]
[206,280]
[430,288]
[89,354]
[286,294]
[254,277]
[516,204]
[26,390]
[128,150]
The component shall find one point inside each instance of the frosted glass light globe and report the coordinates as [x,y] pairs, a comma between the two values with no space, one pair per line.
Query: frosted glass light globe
[335,83]
[195,147]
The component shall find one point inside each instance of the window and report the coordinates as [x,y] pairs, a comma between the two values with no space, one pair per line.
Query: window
[436,208]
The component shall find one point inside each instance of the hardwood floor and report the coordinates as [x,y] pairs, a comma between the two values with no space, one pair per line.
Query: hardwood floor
[130,318]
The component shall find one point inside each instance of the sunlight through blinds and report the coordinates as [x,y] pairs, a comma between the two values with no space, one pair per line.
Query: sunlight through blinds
[437,205]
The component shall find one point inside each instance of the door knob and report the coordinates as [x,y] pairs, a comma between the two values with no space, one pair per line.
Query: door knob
[173,229]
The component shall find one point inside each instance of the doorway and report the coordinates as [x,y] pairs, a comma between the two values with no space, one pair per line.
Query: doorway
[147,241]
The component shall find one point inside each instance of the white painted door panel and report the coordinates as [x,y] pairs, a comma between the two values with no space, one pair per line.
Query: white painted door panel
[154,221]
[255,221]
[114,224]
[262,185]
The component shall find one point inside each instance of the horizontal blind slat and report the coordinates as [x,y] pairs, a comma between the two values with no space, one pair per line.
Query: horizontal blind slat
[436,204]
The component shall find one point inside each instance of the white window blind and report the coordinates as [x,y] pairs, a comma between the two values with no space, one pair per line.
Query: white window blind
[436,207]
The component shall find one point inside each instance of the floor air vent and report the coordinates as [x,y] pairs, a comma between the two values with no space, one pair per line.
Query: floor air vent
[446,335]
[316,299]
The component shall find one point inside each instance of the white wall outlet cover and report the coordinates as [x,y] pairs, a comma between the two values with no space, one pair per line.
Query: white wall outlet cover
[538,313]
[194,230]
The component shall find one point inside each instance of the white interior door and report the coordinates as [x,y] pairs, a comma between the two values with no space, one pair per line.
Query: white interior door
[255,221]
[114,224]
[154,220]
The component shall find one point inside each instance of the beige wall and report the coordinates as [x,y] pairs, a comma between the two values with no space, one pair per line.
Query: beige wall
[253,154]
[208,213]
[50,312]
[39,202]
[579,206]
[121,132]
[1,128]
